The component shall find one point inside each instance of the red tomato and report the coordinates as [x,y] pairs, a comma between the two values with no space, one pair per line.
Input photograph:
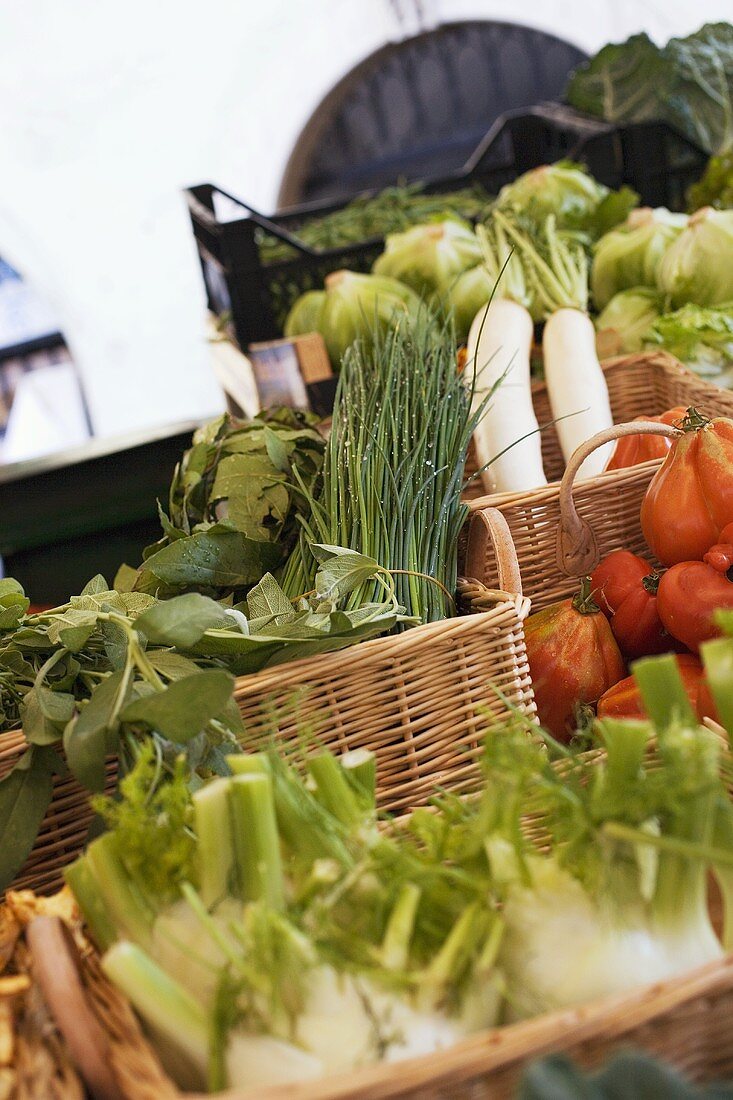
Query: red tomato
[689,593]
[625,588]
[624,700]
[690,498]
[573,658]
[630,450]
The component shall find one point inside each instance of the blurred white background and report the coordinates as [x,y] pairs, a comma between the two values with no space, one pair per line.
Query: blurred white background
[107,110]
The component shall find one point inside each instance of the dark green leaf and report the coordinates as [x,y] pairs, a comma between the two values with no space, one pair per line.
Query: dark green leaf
[57,706]
[90,737]
[185,707]
[181,621]
[259,508]
[25,794]
[38,730]
[115,644]
[218,558]
[278,451]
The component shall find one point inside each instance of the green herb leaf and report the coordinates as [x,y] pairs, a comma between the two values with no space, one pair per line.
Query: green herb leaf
[25,794]
[125,578]
[185,707]
[91,736]
[180,621]
[341,570]
[95,586]
[218,558]
[267,600]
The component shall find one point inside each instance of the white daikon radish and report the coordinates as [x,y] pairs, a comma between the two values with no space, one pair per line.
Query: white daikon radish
[499,345]
[576,386]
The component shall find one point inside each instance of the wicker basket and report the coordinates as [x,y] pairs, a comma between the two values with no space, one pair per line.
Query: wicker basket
[560,532]
[645,384]
[420,699]
[687,1021]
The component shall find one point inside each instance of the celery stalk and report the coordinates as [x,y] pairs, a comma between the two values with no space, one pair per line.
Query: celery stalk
[170,1011]
[395,948]
[91,902]
[246,763]
[125,903]
[214,832]
[360,766]
[333,790]
[256,840]
[717,657]
[660,684]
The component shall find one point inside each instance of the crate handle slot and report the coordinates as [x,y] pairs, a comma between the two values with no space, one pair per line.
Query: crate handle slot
[490,531]
[576,547]
[197,208]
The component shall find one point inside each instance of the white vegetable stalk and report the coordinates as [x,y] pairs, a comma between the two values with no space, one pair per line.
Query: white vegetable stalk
[507,435]
[576,386]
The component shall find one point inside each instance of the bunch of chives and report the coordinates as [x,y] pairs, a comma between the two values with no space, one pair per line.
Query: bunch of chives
[394,467]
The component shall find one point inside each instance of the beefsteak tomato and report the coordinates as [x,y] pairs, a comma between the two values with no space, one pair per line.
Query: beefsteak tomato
[692,591]
[630,450]
[573,658]
[690,498]
[625,588]
[624,700]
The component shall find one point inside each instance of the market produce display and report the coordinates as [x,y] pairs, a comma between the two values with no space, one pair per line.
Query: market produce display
[269,932]
[268,925]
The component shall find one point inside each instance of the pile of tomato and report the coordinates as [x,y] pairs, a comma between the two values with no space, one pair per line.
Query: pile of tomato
[579,649]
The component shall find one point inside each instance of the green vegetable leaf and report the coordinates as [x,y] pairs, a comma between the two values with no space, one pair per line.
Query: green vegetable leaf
[180,621]
[277,451]
[125,578]
[25,794]
[95,586]
[10,587]
[185,706]
[341,570]
[170,665]
[11,616]
[91,736]
[218,558]
[267,600]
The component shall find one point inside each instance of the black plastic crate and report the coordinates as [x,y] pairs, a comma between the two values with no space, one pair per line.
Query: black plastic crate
[650,157]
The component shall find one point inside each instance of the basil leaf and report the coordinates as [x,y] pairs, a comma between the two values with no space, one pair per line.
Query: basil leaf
[25,795]
[91,736]
[180,621]
[185,707]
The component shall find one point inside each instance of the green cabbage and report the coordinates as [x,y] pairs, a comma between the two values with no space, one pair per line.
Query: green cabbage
[354,306]
[626,320]
[566,191]
[305,315]
[469,293]
[630,255]
[698,266]
[701,338]
[430,257]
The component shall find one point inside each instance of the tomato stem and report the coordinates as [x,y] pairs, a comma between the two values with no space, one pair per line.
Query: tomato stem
[583,600]
[651,582]
[694,420]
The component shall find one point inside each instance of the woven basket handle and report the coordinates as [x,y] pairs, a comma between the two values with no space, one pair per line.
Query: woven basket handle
[56,969]
[489,530]
[576,547]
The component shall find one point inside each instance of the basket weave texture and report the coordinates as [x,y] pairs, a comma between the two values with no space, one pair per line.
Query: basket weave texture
[421,700]
[645,384]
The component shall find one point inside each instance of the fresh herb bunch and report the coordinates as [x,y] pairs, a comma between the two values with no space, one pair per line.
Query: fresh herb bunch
[113,670]
[369,216]
[233,504]
[394,467]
